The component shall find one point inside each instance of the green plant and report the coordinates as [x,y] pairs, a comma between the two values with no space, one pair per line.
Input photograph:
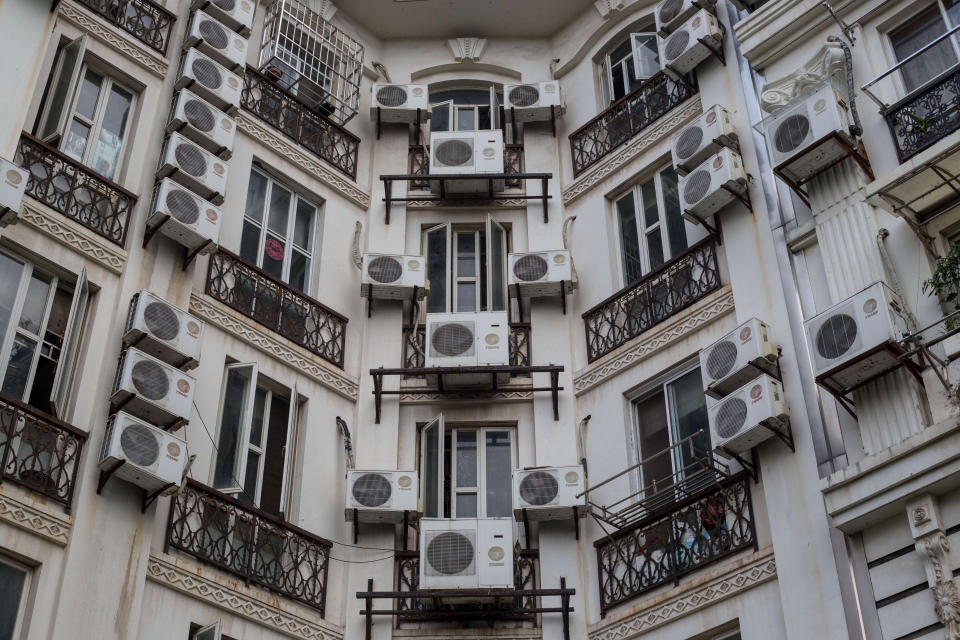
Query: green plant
[945,283]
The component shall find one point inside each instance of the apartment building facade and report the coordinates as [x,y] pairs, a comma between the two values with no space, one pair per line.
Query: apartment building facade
[284,368]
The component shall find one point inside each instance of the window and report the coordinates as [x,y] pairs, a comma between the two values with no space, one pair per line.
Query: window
[480,462]
[666,414]
[209,632]
[465,110]
[466,267]
[87,113]
[14,585]
[39,348]
[258,420]
[283,247]
[918,32]
[628,64]
[652,229]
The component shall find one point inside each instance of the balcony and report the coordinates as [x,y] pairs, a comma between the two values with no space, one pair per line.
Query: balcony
[415,337]
[145,20]
[72,189]
[251,544]
[293,117]
[419,164]
[625,118]
[926,116]
[38,451]
[677,284]
[276,305]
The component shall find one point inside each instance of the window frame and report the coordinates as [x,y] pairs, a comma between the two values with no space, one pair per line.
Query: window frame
[484,294]
[954,41]
[607,65]
[453,108]
[21,614]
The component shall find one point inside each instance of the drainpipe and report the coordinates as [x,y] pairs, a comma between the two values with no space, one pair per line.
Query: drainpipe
[895,279]
[347,442]
[582,450]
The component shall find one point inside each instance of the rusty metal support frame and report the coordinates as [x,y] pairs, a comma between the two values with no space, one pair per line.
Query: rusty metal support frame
[479,199]
[840,395]
[498,595]
[859,156]
[442,388]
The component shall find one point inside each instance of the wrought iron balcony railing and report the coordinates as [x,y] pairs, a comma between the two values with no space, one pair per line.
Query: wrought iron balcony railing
[419,163]
[415,337]
[74,190]
[296,119]
[694,532]
[249,543]
[276,305]
[677,284]
[926,116]
[625,118]
[38,451]
[145,20]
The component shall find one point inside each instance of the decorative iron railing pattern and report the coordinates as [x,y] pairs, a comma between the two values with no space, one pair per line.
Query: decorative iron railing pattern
[525,563]
[625,118]
[415,337]
[661,549]
[72,189]
[926,116]
[38,451]
[419,163]
[677,284]
[288,114]
[145,20]
[275,304]
[250,543]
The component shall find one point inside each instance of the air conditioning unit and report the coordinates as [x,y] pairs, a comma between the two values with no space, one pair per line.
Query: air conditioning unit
[381,496]
[399,102]
[713,185]
[203,123]
[540,273]
[684,49]
[393,277]
[152,458]
[532,102]
[185,217]
[808,135]
[468,340]
[739,422]
[670,14]
[466,553]
[152,389]
[854,341]
[465,153]
[210,81]
[236,14]
[217,41]
[737,358]
[163,331]
[702,138]
[194,167]
[548,493]
[13,184]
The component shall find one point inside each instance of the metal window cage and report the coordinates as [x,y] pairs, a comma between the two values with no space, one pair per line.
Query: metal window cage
[312,59]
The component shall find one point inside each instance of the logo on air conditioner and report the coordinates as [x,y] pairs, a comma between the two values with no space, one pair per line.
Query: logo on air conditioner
[492,339]
[496,554]
[718,162]
[245,5]
[226,124]
[550,88]
[870,306]
[211,215]
[417,91]
[173,451]
[745,334]
[820,105]
[404,482]
[488,152]
[756,392]
[238,44]
[696,23]
[413,265]
[14,177]
[218,168]
[572,477]
[559,258]
[193,328]
[711,118]
[233,83]
[183,387]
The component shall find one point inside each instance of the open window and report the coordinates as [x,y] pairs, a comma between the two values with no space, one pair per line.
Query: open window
[628,62]
[465,109]
[466,267]
[210,632]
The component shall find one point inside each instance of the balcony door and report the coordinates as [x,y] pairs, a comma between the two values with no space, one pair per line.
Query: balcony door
[466,267]
[465,110]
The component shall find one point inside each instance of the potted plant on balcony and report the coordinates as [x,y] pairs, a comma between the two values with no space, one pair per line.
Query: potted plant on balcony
[945,284]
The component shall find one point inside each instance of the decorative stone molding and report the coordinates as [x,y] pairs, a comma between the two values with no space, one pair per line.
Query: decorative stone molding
[73,235]
[826,64]
[646,344]
[323,8]
[113,38]
[636,147]
[932,543]
[216,592]
[52,527]
[271,138]
[423,398]
[606,7]
[511,203]
[275,346]
[667,610]
[467,49]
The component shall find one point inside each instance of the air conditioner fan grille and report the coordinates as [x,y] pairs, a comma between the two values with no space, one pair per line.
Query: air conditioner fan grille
[791,133]
[452,339]
[450,553]
[213,34]
[150,380]
[206,73]
[161,320]
[454,153]
[384,269]
[191,159]
[530,268]
[226,5]
[696,186]
[539,488]
[730,417]
[182,206]
[688,142]
[670,9]
[199,115]
[676,44]
[372,490]
[139,445]
[836,336]
[392,96]
[721,359]
[524,95]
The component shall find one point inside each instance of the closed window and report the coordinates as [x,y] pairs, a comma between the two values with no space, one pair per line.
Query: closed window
[466,267]
[920,31]
[651,227]
[628,63]
[258,421]
[87,113]
[14,585]
[465,110]
[466,470]
[278,231]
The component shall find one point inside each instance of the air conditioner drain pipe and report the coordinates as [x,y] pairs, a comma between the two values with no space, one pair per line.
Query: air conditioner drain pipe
[347,442]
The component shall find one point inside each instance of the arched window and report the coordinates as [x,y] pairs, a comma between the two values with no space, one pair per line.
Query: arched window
[465,109]
[628,62]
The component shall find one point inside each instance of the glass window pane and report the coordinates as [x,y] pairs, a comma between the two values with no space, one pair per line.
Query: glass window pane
[466,296]
[655,248]
[18,369]
[466,505]
[273,252]
[619,83]
[89,93]
[499,465]
[630,69]
[431,471]
[256,424]
[256,196]
[688,413]
[250,478]
[440,117]
[110,141]
[279,210]
[76,140]
[498,249]
[953,11]
[916,33]
[483,271]
[629,240]
[303,225]
[57,103]
[466,255]
[299,271]
[231,424]
[484,118]
[466,459]
[648,194]
[250,241]
[466,120]
[437,270]
[653,437]
[10,272]
[12,581]
[35,303]
[622,50]
[646,55]
[676,228]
